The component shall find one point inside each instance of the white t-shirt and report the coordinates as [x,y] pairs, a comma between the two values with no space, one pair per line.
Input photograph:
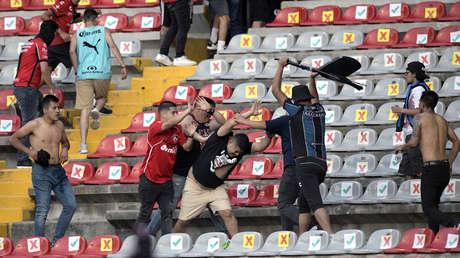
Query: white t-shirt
[414,101]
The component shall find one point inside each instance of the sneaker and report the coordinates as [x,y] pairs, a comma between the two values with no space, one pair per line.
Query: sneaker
[27,163]
[83,149]
[211,45]
[105,111]
[95,118]
[183,61]
[226,244]
[314,228]
[163,59]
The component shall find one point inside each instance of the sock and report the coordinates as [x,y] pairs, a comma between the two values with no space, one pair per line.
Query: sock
[214,34]
[220,45]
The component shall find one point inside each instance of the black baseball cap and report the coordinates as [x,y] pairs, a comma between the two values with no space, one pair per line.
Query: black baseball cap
[300,93]
[418,68]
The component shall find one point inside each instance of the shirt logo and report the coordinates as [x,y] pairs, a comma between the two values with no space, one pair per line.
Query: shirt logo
[221,160]
[87,44]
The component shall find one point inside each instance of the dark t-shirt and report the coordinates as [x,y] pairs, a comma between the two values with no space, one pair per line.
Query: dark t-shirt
[214,156]
[280,126]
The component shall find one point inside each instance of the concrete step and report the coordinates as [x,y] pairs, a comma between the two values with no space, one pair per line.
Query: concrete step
[169,71]
[15,201]
[124,96]
[108,122]
[21,175]
[93,135]
[16,214]
[129,109]
[75,145]
[2,164]
[14,187]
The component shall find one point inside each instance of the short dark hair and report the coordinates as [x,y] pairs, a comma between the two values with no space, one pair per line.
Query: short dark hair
[47,100]
[90,14]
[242,141]
[47,31]
[429,98]
[165,105]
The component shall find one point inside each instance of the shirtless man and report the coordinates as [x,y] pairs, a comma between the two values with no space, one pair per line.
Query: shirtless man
[431,131]
[47,136]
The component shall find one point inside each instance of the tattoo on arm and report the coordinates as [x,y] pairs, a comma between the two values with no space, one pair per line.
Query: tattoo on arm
[417,124]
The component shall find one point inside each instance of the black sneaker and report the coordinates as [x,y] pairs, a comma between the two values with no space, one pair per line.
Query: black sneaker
[24,163]
[211,45]
[105,111]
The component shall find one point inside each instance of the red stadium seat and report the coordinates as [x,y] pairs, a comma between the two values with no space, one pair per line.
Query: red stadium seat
[255,136]
[86,3]
[133,177]
[443,243]
[112,146]
[268,196]
[113,21]
[31,246]
[323,15]
[79,172]
[38,4]
[12,5]
[291,16]
[227,113]
[141,122]
[6,99]
[178,94]
[109,173]
[254,168]
[66,246]
[7,244]
[417,37]
[275,146]
[11,25]
[356,14]
[216,91]
[33,26]
[142,3]
[380,38]
[57,92]
[265,114]
[139,148]
[427,11]
[9,124]
[412,240]
[234,172]
[447,36]
[147,21]
[108,4]
[389,13]
[454,13]
[101,246]
[277,171]
[242,194]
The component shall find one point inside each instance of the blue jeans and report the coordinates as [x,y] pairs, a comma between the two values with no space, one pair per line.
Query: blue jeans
[45,179]
[29,99]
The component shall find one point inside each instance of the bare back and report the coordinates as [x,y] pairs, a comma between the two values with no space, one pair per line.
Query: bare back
[47,137]
[433,130]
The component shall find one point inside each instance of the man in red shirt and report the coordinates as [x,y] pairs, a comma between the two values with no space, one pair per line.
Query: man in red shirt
[155,183]
[32,72]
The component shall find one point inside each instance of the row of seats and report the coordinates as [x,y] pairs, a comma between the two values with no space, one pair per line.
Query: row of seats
[9,124]
[7,97]
[343,39]
[366,13]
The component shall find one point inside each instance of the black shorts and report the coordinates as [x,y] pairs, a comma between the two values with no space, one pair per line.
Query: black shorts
[310,175]
[411,162]
[263,10]
[59,54]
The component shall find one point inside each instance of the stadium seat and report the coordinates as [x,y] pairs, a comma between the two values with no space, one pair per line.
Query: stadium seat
[142,3]
[14,5]
[173,245]
[385,115]
[206,245]
[141,122]
[350,93]
[9,124]
[108,4]
[11,25]
[412,240]
[133,176]
[76,26]
[67,246]
[277,171]
[130,247]
[279,112]
[109,173]
[309,41]
[265,114]
[380,240]
[242,43]
[291,16]
[385,63]
[242,244]
[454,13]
[451,192]
[388,166]
[101,246]
[446,241]
[129,47]
[345,39]
[254,168]
[33,26]
[344,241]
[83,4]
[309,243]
[268,196]
[334,164]
[427,58]
[388,139]
[452,114]
[357,14]
[277,42]
[7,245]
[389,88]
[356,165]
[11,51]
[333,138]
[451,87]
[358,139]
[38,5]
[311,61]
[112,146]
[6,99]
[115,22]
[417,37]
[447,36]
[247,92]
[427,11]
[377,191]
[244,68]
[57,92]
[216,91]
[343,192]
[440,108]
[270,69]
[146,21]
[356,114]
[209,69]
[326,89]
[178,94]
[59,73]
[31,246]
[242,194]
[434,83]
[139,147]
[389,13]
[227,113]
[380,38]
[276,243]
[275,145]
[449,61]
[409,191]
[78,172]
[323,15]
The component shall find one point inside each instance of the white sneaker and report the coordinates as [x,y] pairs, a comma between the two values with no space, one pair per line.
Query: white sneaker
[183,61]
[163,59]
[95,118]
[83,149]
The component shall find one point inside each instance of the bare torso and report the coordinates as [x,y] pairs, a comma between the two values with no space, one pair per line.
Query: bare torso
[433,137]
[47,137]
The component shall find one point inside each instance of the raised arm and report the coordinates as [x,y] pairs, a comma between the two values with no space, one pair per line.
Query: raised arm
[312,88]
[253,111]
[15,139]
[276,86]
[116,52]
[177,118]
[252,124]
[455,146]
[189,131]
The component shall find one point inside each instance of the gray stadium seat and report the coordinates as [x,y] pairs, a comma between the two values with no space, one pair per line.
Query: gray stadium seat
[130,247]
[385,115]
[279,112]
[434,83]
[451,87]
[71,77]
[388,139]
[334,164]
[309,243]
[377,191]
[357,165]
[270,69]
[286,87]
[449,143]
[277,42]
[358,139]
[247,92]
[452,113]
[242,43]
[345,39]
[427,58]
[409,191]
[333,138]
[172,245]
[344,242]
[129,47]
[209,69]
[364,61]
[456,166]
[388,165]
[326,89]
[311,61]
[333,113]
[440,108]
[8,74]
[12,51]
[59,73]
[449,62]
[452,191]
[242,244]
[389,88]
[350,93]
[379,241]
[276,243]
[323,191]
[356,114]
[206,245]
[244,68]
[385,63]
[310,40]
[343,192]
